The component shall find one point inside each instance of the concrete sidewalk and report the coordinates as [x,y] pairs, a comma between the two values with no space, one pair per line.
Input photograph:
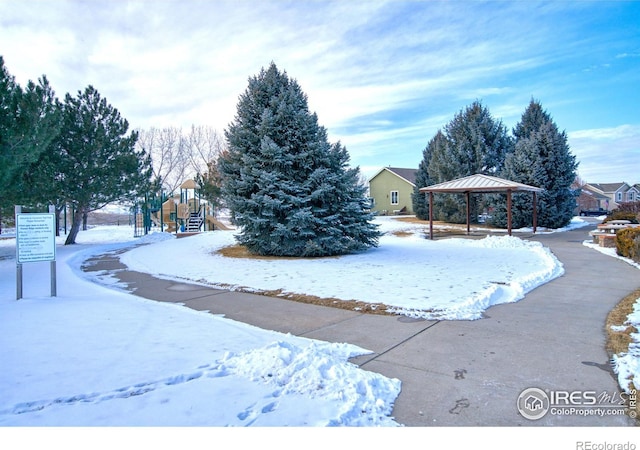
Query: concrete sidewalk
[455,373]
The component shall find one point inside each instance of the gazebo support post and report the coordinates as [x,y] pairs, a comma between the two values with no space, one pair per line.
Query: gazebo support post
[535,212]
[468,195]
[509,211]
[431,215]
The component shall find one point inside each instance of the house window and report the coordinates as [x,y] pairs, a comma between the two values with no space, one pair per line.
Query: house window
[619,197]
[394,197]
[632,196]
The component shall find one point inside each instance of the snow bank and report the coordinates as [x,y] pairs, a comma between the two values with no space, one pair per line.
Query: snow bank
[627,365]
[319,371]
[444,279]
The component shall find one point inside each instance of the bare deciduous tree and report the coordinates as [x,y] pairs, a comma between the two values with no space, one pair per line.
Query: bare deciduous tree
[205,145]
[167,149]
[178,156]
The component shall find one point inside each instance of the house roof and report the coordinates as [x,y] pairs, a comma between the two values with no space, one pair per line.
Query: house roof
[609,187]
[409,175]
[480,183]
[589,190]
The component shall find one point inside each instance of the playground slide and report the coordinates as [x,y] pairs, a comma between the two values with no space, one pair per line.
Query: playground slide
[219,225]
[170,226]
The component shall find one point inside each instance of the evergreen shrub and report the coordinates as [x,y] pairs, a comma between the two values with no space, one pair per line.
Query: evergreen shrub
[621,215]
[636,249]
[627,242]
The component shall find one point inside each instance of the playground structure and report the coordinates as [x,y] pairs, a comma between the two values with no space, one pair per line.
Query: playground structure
[184,214]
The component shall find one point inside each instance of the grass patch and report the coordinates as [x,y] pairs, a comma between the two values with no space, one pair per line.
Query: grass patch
[351,305]
[240,251]
[403,233]
[618,341]
[619,338]
[448,229]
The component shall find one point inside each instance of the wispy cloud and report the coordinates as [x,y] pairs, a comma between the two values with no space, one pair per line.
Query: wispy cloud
[606,154]
[383,76]
[628,55]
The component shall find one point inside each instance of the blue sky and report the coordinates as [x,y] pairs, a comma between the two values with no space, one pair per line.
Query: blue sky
[383,76]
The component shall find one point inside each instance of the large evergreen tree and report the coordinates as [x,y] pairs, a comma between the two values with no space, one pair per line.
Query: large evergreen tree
[41,116]
[541,158]
[475,143]
[9,96]
[289,190]
[96,158]
[29,122]
[420,205]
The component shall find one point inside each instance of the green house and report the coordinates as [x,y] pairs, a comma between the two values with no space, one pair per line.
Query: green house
[390,191]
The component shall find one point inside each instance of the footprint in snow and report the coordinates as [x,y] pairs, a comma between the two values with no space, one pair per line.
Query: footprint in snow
[252,413]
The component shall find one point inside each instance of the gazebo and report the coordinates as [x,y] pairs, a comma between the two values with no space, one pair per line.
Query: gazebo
[481,184]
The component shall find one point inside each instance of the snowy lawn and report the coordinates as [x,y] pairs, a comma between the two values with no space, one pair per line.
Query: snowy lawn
[444,279]
[93,356]
[97,356]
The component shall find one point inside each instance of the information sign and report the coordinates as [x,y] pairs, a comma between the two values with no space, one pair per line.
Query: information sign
[36,237]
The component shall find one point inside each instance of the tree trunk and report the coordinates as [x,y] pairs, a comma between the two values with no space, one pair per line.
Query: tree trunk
[75,226]
[85,216]
[58,211]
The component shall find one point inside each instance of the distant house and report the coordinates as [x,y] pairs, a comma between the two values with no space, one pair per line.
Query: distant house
[591,199]
[390,190]
[609,195]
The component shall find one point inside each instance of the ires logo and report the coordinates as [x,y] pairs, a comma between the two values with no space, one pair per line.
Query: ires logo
[575,398]
[535,403]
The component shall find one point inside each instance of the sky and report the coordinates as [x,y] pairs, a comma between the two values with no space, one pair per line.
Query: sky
[382,76]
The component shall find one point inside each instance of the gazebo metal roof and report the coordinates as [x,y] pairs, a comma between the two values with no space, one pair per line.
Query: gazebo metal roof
[480,184]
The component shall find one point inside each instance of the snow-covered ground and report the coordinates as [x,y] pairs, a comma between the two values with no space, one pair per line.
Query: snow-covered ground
[94,356]
[98,356]
[443,279]
[626,365]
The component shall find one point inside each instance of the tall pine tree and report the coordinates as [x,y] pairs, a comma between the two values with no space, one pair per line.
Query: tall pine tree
[96,158]
[9,97]
[289,190]
[29,122]
[475,143]
[541,158]
[420,205]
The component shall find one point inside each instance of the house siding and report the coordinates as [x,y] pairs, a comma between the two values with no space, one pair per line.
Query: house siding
[380,188]
[615,193]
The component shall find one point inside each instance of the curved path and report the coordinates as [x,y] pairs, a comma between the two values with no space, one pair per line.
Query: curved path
[456,373]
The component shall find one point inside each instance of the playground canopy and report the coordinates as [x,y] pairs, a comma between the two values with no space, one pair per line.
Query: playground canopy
[190,184]
[483,184]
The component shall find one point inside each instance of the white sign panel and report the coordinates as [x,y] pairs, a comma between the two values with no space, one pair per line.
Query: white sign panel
[36,237]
